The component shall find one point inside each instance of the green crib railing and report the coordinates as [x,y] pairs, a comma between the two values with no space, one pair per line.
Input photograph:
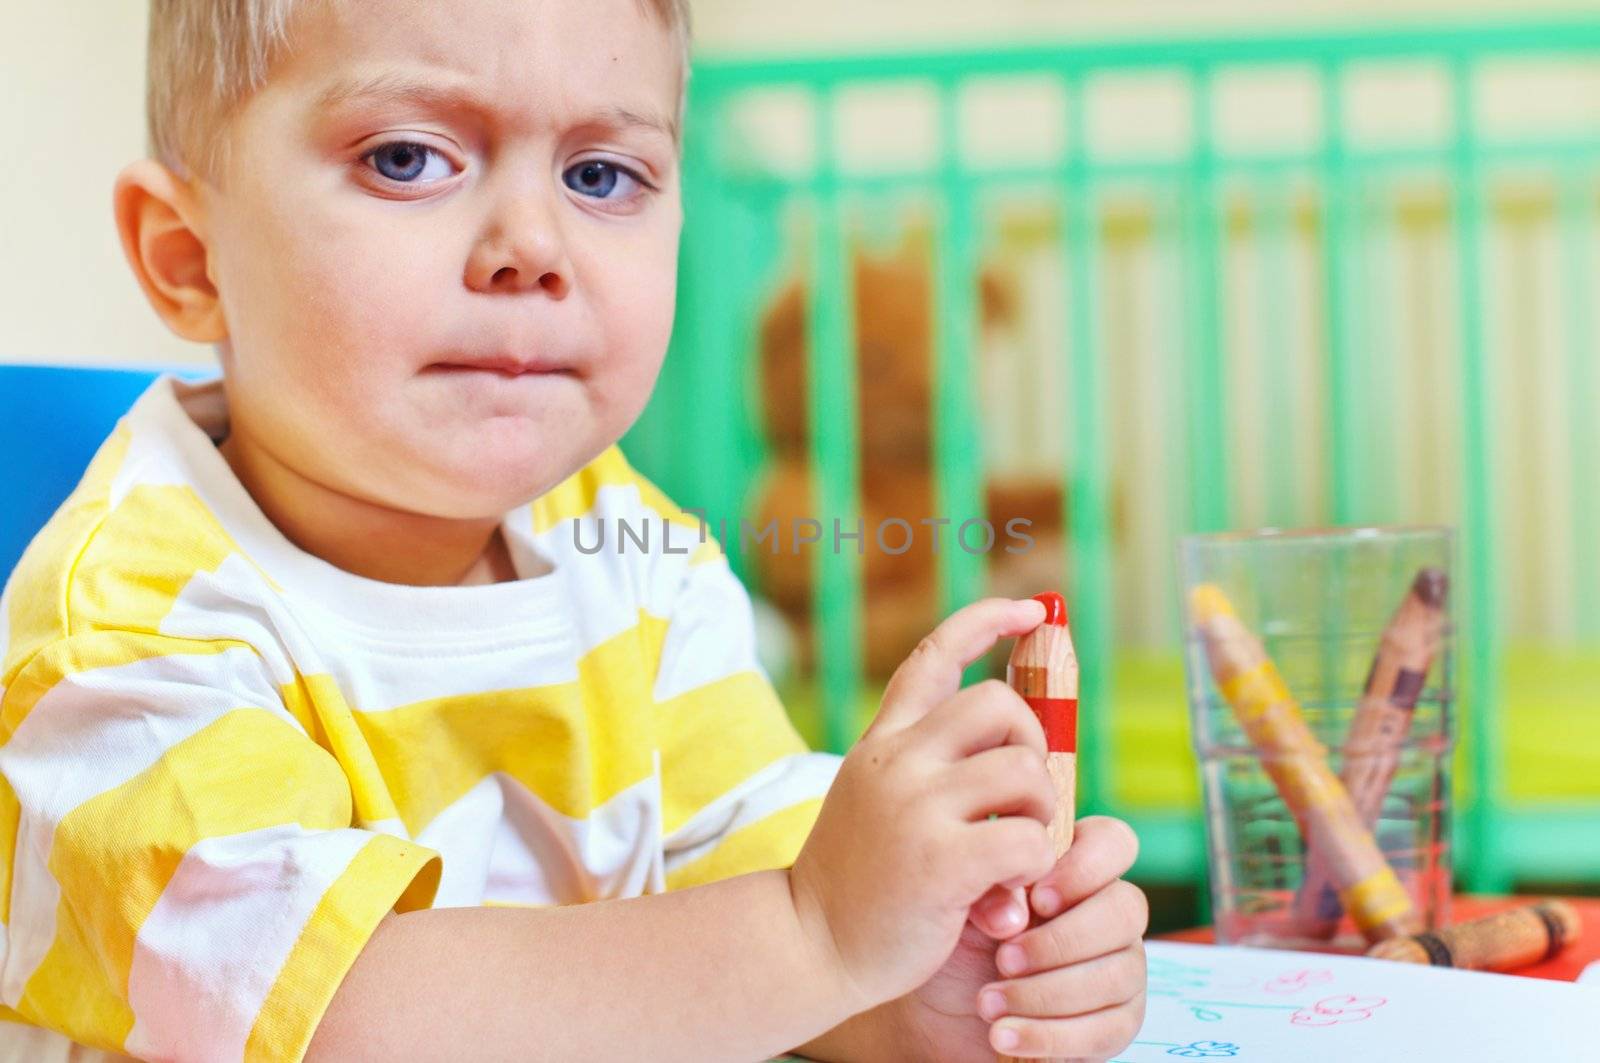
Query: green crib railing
[701,438]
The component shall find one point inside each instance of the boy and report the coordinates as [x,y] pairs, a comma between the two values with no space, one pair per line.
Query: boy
[316,731]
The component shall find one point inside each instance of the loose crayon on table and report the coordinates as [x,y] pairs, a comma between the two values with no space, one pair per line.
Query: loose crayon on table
[1298,766]
[1382,720]
[1043,668]
[1501,942]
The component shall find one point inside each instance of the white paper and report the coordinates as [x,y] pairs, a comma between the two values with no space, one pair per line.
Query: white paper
[1590,974]
[1210,1002]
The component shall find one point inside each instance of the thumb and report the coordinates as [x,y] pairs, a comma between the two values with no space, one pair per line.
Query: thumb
[933,671]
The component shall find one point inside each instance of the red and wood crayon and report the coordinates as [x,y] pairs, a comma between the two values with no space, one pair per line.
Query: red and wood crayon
[1044,669]
[1382,720]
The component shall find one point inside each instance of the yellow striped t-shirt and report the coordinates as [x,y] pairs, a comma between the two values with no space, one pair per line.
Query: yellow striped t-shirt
[223,760]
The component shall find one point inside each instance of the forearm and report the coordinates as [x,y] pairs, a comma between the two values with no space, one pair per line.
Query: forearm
[872,1035]
[722,971]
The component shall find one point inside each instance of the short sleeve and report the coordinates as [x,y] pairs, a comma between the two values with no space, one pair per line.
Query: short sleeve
[740,790]
[185,880]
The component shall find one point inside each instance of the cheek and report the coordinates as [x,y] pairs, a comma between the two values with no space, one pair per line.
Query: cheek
[339,291]
[360,300]
[323,315]
[636,308]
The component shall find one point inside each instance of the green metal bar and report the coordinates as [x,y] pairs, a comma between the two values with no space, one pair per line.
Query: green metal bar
[835,456]
[1481,663]
[1521,35]
[957,454]
[1087,501]
[1344,381]
[1208,407]
[1583,394]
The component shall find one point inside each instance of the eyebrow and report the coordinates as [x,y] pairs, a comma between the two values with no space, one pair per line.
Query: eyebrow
[393,87]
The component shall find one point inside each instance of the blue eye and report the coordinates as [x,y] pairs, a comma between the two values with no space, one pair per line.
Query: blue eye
[596,178]
[405,161]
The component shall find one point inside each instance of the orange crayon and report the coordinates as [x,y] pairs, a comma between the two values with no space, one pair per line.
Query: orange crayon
[1298,766]
[1500,942]
[1382,720]
[1043,668]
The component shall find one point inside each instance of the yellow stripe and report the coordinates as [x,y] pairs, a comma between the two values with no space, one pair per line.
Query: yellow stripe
[91,651]
[575,496]
[575,745]
[145,552]
[768,843]
[10,814]
[37,608]
[114,854]
[386,874]
[320,706]
[72,989]
[126,575]
[705,553]
[714,737]
[1254,691]
[1376,899]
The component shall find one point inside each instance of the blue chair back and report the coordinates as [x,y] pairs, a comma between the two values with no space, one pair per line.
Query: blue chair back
[52,420]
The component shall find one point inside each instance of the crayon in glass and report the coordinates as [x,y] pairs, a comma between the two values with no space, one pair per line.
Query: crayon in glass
[1382,720]
[1298,766]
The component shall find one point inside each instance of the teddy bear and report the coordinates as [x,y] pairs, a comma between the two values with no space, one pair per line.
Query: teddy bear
[893,294]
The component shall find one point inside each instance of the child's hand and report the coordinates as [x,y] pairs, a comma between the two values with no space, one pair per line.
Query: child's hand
[1072,987]
[904,844]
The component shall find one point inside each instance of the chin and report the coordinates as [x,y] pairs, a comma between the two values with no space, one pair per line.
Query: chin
[480,493]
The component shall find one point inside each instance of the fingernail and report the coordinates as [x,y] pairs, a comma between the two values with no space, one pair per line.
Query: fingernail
[1009,959]
[991,1005]
[1011,917]
[1046,901]
[1005,1038]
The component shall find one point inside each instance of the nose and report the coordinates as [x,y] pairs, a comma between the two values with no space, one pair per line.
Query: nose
[522,249]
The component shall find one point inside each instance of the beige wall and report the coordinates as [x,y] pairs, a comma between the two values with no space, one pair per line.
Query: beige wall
[71,102]
[71,114]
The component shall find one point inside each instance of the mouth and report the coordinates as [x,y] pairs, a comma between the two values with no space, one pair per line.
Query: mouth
[509,368]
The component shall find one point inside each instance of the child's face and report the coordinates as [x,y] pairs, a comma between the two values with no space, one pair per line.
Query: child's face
[487,200]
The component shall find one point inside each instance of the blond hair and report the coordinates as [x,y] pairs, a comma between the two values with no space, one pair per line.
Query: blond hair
[206,57]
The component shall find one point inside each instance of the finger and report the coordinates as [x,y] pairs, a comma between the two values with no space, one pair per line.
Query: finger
[983,716]
[1006,780]
[1000,913]
[1099,1035]
[1105,922]
[1062,992]
[1103,849]
[1010,851]
[932,672]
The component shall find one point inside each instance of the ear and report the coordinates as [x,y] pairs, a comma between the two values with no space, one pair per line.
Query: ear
[160,221]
